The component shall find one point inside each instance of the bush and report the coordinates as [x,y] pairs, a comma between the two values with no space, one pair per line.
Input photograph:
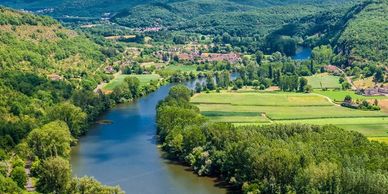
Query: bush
[19,175]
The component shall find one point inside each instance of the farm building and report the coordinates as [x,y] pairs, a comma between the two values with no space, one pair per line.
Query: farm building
[377,91]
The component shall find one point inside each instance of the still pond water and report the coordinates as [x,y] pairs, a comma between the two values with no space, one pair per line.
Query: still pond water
[124,153]
[302,53]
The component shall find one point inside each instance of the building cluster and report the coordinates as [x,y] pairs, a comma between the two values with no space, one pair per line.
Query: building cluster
[376,91]
[197,56]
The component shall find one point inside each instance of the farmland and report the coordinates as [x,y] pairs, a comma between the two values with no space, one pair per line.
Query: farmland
[144,80]
[182,68]
[339,95]
[281,107]
[324,81]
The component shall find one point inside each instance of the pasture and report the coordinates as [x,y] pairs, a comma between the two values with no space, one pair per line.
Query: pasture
[323,80]
[281,107]
[339,95]
[182,68]
[144,80]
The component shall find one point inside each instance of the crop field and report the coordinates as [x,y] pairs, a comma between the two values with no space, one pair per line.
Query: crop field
[280,107]
[183,68]
[339,95]
[323,81]
[262,99]
[144,80]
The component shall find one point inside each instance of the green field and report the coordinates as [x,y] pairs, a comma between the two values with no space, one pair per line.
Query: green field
[144,80]
[280,107]
[183,68]
[339,95]
[323,81]
[262,99]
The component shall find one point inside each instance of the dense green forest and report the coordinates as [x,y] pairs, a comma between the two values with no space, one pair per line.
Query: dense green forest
[271,158]
[238,18]
[47,78]
[87,9]
[365,39]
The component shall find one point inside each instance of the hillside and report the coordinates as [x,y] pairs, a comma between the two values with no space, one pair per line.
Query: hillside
[42,64]
[79,8]
[365,36]
[217,16]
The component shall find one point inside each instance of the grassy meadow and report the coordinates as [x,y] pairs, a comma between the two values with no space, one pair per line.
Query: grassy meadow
[323,81]
[282,107]
[144,80]
[339,95]
[182,68]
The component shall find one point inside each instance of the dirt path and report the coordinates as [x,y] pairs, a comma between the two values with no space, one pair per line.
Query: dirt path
[328,99]
[265,116]
[103,84]
[348,79]
[29,186]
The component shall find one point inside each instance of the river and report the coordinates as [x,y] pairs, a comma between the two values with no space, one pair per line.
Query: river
[125,153]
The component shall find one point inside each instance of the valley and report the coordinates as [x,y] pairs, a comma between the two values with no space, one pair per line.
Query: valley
[193,96]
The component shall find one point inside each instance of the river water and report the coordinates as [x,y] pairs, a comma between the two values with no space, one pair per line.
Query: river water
[125,153]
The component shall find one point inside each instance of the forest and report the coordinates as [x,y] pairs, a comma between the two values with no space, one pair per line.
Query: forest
[46,105]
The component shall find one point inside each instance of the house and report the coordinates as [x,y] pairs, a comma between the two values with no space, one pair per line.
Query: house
[376,91]
[109,69]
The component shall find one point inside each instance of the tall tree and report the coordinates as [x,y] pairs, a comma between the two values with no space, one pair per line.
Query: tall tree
[53,139]
[54,176]
[72,115]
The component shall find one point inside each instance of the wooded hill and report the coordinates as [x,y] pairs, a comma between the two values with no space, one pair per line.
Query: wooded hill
[218,16]
[42,64]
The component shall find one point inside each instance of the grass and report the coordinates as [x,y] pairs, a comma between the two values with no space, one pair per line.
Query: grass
[280,107]
[323,81]
[183,68]
[262,99]
[144,80]
[339,95]
[293,112]
[379,139]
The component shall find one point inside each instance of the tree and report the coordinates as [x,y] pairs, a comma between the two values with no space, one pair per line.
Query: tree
[210,84]
[53,139]
[379,75]
[19,175]
[348,99]
[72,115]
[302,84]
[270,72]
[198,87]
[180,92]
[133,86]
[54,176]
[259,57]
[311,67]
[322,54]
[7,185]
[90,185]
[346,85]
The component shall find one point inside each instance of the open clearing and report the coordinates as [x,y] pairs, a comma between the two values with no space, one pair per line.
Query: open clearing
[183,68]
[281,107]
[323,80]
[144,80]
